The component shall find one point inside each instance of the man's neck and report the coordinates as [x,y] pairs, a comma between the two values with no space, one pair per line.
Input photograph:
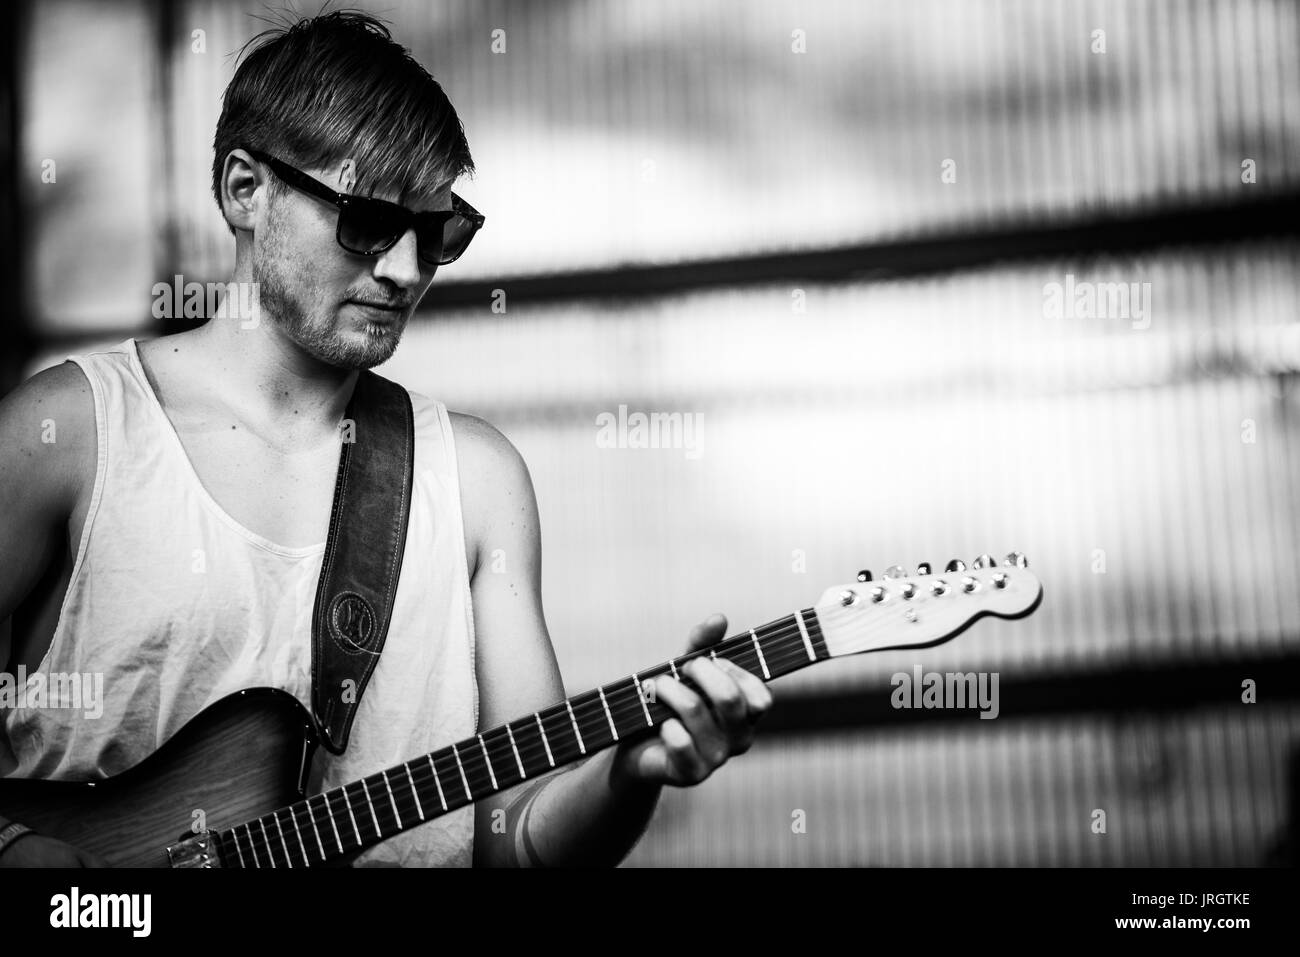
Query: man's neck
[270,379]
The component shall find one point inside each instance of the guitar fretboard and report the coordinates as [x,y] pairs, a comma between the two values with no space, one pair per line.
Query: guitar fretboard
[365,812]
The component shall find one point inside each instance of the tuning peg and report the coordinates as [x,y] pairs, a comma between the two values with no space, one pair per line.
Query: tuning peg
[1016,560]
[923,568]
[984,561]
[864,575]
[956,565]
[895,571]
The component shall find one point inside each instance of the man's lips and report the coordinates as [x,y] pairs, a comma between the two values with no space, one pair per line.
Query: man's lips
[380,306]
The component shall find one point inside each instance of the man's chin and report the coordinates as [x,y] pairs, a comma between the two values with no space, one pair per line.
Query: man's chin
[364,347]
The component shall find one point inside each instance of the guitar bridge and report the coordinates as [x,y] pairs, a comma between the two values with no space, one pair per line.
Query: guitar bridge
[196,850]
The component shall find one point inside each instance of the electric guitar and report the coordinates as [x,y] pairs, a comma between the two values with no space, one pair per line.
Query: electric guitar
[245,759]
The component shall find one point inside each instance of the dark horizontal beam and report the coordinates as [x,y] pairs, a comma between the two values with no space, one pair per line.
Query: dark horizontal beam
[1276,214]
[1141,690]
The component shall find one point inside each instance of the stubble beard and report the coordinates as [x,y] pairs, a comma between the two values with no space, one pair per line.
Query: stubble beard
[316,333]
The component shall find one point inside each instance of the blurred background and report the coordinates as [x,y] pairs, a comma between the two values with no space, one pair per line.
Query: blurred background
[833,232]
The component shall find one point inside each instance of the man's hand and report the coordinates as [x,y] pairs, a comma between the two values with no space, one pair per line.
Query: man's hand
[711,724]
[36,850]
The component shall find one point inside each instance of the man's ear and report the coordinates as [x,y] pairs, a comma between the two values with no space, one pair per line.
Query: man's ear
[240,179]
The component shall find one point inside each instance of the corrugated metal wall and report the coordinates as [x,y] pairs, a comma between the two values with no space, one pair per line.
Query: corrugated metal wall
[1145,463]
[618,130]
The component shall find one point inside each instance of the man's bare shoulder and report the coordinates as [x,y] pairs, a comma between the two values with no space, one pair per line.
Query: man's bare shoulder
[47,429]
[484,452]
[496,491]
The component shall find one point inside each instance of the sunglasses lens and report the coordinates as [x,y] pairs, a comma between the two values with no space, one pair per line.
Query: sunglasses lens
[443,242]
[369,229]
[455,236]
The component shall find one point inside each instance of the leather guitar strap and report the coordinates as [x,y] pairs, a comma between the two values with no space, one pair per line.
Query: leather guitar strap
[363,553]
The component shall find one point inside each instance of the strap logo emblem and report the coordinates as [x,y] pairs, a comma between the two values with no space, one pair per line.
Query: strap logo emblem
[352,621]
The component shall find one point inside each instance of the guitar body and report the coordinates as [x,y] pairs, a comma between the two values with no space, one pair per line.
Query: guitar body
[244,762]
[243,757]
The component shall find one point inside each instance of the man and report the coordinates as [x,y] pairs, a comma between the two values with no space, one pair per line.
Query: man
[170,536]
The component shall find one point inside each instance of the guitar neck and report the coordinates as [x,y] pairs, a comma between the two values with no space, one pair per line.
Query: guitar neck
[361,814]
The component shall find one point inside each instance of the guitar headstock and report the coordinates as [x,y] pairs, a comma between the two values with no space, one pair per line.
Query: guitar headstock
[905,610]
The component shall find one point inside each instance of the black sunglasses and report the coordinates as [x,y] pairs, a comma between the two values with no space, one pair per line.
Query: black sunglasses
[369,227]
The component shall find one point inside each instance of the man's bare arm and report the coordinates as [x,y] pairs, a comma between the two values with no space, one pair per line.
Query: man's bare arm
[515,663]
[594,813]
[47,450]
[47,454]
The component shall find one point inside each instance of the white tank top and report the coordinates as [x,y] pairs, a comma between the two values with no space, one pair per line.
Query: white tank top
[177,605]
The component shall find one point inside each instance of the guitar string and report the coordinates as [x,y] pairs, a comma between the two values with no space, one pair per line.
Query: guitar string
[626,706]
[402,796]
[787,653]
[408,801]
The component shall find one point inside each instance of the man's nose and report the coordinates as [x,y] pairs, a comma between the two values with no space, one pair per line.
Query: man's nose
[401,263]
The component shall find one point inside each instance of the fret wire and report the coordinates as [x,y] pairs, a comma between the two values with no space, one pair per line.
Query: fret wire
[329,815]
[239,854]
[803,630]
[559,731]
[311,818]
[545,742]
[741,648]
[519,762]
[441,799]
[581,745]
[508,759]
[380,783]
[487,759]
[370,805]
[293,818]
[288,858]
[392,800]
[419,808]
[266,846]
[463,779]
[615,707]
[608,717]
[320,845]
[454,769]
[478,770]
[758,648]
[563,736]
[275,816]
[590,713]
[248,829]
[636,683]
[347,803]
